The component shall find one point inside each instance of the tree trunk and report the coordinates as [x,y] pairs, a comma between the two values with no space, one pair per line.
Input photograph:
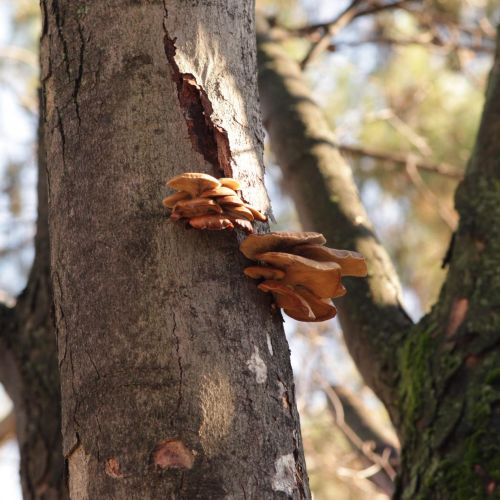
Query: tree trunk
[450,375]
[176,379]
[29,371]
[440,379]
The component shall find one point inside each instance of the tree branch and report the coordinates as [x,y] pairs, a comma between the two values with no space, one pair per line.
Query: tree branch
[7,428]
[365,437]
[429,42]
[402,159]
[331,29]
[371,9]
[321,184]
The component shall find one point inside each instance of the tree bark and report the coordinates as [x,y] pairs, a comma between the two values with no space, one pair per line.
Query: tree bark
[440,379]
[176,380]
[450,383]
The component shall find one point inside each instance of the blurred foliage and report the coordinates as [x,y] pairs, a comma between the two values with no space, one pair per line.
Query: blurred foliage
[19,32]
[331,462]
[422,98]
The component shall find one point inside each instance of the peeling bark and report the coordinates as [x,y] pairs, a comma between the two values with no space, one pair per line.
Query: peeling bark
[157,325]
[206,137]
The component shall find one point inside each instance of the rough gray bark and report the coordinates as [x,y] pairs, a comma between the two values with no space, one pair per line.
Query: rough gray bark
[176,380]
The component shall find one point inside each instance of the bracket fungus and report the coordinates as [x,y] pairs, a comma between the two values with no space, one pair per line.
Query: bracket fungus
[300,272]
[209,203]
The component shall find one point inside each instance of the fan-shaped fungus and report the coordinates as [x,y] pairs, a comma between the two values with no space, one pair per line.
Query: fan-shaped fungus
[209,203]
[300,270]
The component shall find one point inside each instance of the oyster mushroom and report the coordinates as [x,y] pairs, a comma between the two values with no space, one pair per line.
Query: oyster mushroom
[211,222]
[230,183]
[268,273]
[323,309]
[218,191]
[194,208]
[277,241]
[321,278]
[289,300]
[351,263]
[256,214]
[308,272]
[170,201]
[240,212]
[193,182]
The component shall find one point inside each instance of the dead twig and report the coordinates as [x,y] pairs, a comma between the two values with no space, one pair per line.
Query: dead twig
[402,159]
[330,30]
[7,428]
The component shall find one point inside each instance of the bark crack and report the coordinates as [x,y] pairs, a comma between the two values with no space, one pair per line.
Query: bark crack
[59,23]
[179,362]
[93,364]
[62,134]
[207,138]
[78,79]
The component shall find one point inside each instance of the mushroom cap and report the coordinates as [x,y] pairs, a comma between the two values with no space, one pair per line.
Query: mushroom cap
[230,183]
[256,214]
[218,191]
[171,200]
[268,273]
[240,212]
[290,301]
[323,309]
[230,201]
[211,222]
[194,207]
[259,243]
[351,263]
[321,278]
[193,182]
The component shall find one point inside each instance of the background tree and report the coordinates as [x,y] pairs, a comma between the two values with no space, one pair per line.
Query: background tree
[415,370]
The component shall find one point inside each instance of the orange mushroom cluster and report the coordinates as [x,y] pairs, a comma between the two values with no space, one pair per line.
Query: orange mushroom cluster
[209,203]
[302,274]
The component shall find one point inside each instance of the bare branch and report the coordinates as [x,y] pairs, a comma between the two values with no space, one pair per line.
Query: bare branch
[18,246]
[380,456]
[447,216]
[19,55]
[374,8]
[331,29]
[7,428]
[402,159]
[421,40]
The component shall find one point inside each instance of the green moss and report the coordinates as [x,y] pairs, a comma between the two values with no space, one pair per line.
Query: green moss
[414,385]
[493,376]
